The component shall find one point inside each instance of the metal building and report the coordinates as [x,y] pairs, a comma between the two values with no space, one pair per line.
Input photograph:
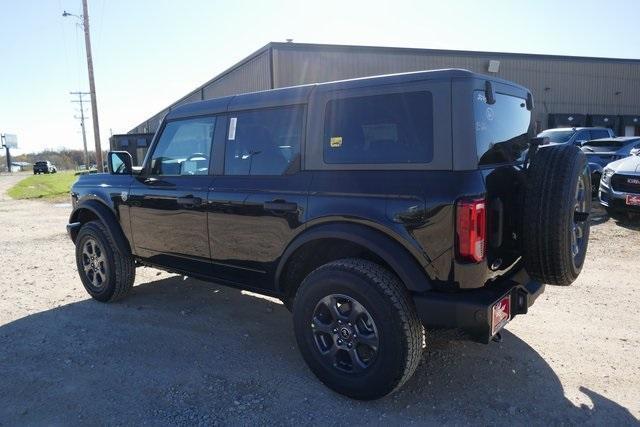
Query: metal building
[568,90]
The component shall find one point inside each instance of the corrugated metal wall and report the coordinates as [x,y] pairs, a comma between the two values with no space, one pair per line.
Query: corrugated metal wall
[559,85]
[251,75]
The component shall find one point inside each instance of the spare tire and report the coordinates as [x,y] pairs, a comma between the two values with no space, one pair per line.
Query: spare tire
[555,220]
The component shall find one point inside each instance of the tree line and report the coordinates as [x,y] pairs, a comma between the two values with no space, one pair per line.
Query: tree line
[64,159]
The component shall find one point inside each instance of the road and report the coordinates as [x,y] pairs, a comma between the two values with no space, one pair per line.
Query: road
[180,351]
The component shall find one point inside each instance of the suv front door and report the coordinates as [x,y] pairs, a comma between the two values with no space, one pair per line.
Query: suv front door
[168,200]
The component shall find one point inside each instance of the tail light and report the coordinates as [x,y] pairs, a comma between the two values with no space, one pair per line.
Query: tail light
[471,221]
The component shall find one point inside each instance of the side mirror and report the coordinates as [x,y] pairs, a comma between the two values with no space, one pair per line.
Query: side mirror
[581,142]
[635,152]
[120,163]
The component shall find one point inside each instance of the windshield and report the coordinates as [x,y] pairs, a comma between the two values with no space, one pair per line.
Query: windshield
[502,129]
[557,135]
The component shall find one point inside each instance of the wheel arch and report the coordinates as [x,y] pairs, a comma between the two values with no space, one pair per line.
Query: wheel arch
[347,237]
[95,210]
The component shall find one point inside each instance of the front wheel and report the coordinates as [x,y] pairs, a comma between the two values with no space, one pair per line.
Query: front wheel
[357,328]
[106,273]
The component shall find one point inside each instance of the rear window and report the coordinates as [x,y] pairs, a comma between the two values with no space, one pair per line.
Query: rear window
[391,128]
[502,128]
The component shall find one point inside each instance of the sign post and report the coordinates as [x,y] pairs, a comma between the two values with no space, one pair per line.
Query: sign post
[9,141]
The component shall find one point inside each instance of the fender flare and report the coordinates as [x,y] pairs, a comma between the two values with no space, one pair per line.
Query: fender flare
[595,168]
[401,261]
[107,216]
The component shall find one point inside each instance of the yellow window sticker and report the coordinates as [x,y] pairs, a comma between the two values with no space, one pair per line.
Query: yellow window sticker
[335,142]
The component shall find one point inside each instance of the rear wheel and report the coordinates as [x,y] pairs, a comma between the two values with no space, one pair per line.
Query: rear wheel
[106,273]
[357,329]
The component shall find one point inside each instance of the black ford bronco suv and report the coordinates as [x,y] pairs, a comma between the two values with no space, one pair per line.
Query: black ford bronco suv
[374,208]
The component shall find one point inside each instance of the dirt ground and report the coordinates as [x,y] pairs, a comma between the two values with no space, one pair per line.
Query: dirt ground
[186,352]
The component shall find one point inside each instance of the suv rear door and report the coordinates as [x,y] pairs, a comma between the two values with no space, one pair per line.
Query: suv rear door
[168,201]
[260,202]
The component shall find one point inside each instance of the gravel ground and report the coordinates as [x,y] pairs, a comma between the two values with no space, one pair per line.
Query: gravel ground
[184,352]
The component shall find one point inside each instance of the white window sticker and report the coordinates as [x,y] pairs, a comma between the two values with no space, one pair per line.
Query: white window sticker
[232,128]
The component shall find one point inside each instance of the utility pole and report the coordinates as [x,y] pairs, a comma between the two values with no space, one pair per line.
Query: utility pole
[92,84]
[4,145]
[84,134]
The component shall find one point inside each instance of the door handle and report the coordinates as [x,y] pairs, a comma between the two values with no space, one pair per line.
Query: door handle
[157,182]
[280,205]
[189,201]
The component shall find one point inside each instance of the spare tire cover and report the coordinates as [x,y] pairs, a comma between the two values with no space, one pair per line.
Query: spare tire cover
[555,220]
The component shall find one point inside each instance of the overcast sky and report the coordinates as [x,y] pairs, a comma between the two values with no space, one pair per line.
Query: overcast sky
[148,54]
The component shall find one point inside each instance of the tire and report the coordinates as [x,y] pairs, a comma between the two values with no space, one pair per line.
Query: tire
[555,220]
[110,275]
[595,183]
[387,318]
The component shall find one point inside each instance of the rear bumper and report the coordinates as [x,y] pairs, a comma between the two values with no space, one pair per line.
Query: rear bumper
[471,311]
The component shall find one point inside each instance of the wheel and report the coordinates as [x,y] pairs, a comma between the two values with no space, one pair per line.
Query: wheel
[357,328]
[595,183]
[106,273]
[555,220]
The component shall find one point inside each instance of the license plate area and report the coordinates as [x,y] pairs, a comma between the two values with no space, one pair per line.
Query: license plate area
[500,313]
[633,200]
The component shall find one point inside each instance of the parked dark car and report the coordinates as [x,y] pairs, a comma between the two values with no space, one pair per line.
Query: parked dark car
[576,136]
[44,167]
[372,207]
[620,187]
[601,152]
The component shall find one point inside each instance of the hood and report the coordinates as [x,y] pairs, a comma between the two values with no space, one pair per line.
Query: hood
[629,164]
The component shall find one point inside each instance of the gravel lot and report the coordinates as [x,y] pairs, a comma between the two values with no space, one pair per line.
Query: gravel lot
[181,351]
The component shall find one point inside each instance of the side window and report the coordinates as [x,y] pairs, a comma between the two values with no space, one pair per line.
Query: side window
[184,147]
[264,142]
[599,133]
[582,135]
[391,128]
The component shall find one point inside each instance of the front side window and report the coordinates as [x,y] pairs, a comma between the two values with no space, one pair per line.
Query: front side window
[264,142]
[184,147]
[378,129]
[502,128]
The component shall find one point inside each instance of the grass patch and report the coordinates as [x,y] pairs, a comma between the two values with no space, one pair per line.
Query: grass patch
[43,186]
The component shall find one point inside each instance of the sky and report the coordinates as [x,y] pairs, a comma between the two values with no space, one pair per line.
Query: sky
[148,54]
